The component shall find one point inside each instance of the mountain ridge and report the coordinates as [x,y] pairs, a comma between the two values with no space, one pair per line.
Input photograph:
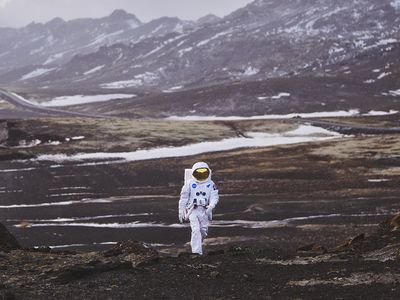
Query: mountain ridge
[57,41]
[261,41]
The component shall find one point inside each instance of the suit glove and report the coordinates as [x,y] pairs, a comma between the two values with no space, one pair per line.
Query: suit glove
[209,212]
[181,216]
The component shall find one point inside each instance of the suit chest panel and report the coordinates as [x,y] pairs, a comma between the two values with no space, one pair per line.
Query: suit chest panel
[200,193]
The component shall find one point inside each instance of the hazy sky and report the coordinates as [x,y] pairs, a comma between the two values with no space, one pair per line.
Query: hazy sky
[17,13]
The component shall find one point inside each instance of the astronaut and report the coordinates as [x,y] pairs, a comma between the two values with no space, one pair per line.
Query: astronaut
[199,196]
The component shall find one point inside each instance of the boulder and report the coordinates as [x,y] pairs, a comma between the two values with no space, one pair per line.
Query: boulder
[130,247]
[137,253]
[312,249]
[349,244]
[395,222]
[3,132]
[7,241]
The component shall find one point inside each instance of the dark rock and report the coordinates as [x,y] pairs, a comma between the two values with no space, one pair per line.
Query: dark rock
[6,294]
[184,254]
[44,249]
[216,252]
[238,250]
[130,247]
[248,277]
[80,271]
[7,241]
[350,243]
[395,222]
[357,239]
[215,274]
[3,132]
[189,255]
[312,248]
[147,263]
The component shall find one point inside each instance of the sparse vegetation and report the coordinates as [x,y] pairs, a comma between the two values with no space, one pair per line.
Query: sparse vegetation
[118,135]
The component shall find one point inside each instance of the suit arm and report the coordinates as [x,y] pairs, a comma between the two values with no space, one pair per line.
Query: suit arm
[214,197]
[184,199]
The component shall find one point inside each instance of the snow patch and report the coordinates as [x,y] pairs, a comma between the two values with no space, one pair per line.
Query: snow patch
[173,89]
[47,204]
[102,38]
[306,130]
[369,81]
[393,93]
[133,24]
[29,144]
[383,75]
[54,57]
[205,42]
[135,224]
[94,70]
[178,28]
[280,95]
[250,71]
[5,53]
[395,4]
[304,133]
[378,180]
[16,170]
[121,84]
[138,80]
[250,224]
[329,114]
[380,113]
[35,51]
[335,50]
[78,138]
[386,42]
[78,245]
[60,220]
[82,99]
[183,51]
[36,73]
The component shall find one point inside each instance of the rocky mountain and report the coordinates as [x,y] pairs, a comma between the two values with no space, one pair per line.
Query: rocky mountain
[57,41]
[267,38]
[320,55]
[7,240]
[208,19]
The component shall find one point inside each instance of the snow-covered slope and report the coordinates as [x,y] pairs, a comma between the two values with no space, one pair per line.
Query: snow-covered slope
[57,41]
[265,39]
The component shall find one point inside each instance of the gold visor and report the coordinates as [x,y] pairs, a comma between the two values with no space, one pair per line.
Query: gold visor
[201,174]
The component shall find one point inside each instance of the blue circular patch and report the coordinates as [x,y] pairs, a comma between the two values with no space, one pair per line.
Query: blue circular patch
[194,185]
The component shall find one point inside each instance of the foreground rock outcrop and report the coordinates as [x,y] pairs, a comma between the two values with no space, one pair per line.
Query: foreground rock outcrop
[7,240]
[364,267]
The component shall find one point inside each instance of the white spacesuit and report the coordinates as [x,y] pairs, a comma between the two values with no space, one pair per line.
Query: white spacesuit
[199,196]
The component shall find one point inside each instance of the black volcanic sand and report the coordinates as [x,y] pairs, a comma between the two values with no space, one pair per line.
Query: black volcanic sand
[284,196]
[273,201]
[360,268]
